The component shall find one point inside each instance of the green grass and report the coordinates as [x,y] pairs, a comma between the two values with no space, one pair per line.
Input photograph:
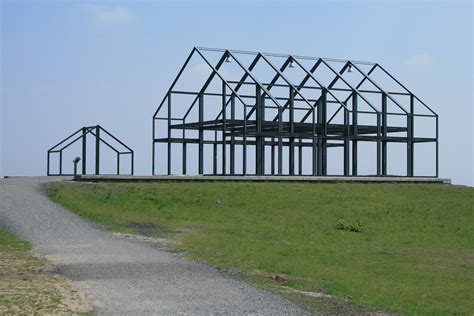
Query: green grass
[406,248]
[27,287]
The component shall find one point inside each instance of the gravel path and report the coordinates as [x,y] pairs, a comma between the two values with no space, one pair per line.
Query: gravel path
[124,276]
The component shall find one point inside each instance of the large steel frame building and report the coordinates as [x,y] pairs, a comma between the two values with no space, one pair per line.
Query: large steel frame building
[260,122]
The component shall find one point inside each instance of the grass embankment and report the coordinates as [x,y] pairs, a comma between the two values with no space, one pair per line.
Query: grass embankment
[27,287]
[401,247]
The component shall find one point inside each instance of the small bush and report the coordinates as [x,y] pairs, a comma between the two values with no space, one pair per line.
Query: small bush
[355,227]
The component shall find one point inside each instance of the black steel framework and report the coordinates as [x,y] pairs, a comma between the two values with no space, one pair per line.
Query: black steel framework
[246,120]
[81,135]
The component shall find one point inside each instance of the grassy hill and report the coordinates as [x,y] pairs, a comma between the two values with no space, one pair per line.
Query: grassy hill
[342,247]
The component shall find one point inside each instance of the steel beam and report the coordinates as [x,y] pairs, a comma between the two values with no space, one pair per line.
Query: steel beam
[201,135]
[97,149]
[323,105]
[346,143]
[384,135]
[315,145]
[224,129]
[410,133]
[300,158]
[259,147]
[354,134]
[61,162]
[437,147]
[153,147]
[244,145]
[272,153]
[169,136]
[84,150]
[379,144]
[184,155]
[322,140]
[118,163]
[280,141]
[232,137]
[291,159]
[214,154]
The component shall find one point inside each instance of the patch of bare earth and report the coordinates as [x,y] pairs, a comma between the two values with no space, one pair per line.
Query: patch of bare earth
[28,286]
[324,303]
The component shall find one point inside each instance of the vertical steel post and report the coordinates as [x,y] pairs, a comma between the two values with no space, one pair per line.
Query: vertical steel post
[354,133]
[201,135]
[319,161]
[47,162]
[325,131]
[153,148]
[410,151]
[384,134]
[292,131]
[169,135]
[132,163]
[280,141]
[214,153]
[300,158]
[259,139]
[379,145]
[184,158]
[244,148]
[118,163]
[322,140]
[97,149]
[437,148]
[262,122]
[273,156]
[232,138]
[315,144]
[61,162]
[224,128]
[346,143]
[84,150]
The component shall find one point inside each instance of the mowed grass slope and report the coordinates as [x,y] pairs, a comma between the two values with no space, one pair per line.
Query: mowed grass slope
[415,253]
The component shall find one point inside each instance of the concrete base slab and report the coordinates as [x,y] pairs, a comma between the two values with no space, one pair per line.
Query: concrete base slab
[262,178]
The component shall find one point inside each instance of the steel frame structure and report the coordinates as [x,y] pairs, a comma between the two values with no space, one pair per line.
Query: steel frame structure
[81,135]
[282,132]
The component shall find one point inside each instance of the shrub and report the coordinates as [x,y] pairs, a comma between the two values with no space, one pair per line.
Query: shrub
[355,227]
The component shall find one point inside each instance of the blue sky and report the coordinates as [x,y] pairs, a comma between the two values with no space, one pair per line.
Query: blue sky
[69,64]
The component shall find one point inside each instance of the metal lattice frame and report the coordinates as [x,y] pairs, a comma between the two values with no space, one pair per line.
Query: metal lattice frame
[81,135]
[315,130]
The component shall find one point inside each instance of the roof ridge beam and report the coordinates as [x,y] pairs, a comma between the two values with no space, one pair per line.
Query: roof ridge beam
[272,83]
[220,76]
[106,143]
[322,86]
[206,84]
[240,83]
[175,80]
[254,79]
[52,148]
[287,81]
[76,139]
[115,138]
[377,86]
[302,83]
[350,86]
[405,88]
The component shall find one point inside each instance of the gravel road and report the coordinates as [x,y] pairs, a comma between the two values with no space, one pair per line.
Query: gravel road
[124,276]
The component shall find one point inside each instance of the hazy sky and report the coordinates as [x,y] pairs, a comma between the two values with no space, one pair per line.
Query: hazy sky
[66,64]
